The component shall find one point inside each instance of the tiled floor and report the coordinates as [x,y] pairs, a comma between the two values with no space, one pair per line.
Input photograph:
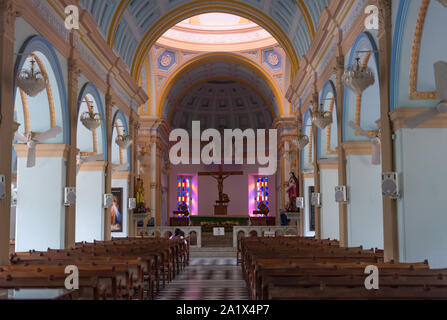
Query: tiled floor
[207,279]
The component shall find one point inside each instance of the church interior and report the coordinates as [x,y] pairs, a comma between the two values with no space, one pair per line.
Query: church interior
[223,150]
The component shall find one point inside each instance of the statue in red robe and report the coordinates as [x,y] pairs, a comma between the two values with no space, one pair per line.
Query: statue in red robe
[293,193]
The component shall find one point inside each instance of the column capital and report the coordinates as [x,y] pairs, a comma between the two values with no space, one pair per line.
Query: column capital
[385,17]
[8,14]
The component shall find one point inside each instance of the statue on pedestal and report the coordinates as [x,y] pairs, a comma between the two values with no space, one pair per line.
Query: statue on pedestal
[293,193]
[139,196]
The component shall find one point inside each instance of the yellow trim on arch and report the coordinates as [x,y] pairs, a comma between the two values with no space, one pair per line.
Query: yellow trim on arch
[307,18]
[113,28]
[203,6]
[180,98]
[213,57]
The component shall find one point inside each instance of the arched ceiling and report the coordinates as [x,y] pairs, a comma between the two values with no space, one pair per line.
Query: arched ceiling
[131,27]
[218,67]
[216,32]
[222,103]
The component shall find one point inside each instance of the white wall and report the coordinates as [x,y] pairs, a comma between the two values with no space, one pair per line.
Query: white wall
[329,210]
[40,215]
[308,182]
[89,206]
[365,217]
[12,224]
[125,185]
[422,213]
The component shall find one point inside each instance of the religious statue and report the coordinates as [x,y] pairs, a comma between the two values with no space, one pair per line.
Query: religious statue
[139,195]
[293,193]
[221,205]
[139,192]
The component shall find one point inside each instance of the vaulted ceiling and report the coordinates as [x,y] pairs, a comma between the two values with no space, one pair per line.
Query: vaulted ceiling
[212,68]
[222,104]
[131,27]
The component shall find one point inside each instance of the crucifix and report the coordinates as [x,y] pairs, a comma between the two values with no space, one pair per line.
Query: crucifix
[220,176]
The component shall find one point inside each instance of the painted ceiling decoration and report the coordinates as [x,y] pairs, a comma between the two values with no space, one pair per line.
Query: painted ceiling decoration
[271,60]
[131,27]
[218,67]
[222,104]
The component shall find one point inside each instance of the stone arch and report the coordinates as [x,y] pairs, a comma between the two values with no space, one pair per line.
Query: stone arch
[119,125]
[327,139]
[354,107]
[90,90]
[48,62]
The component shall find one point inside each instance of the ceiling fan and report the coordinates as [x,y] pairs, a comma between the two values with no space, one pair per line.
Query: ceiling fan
[441,88]
[80,161]
[32,142]
[375,142]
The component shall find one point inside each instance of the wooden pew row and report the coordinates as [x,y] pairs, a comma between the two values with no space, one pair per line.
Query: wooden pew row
[300,268]
[109,270]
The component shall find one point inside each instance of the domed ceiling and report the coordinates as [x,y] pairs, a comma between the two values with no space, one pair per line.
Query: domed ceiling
[222,104]
[219,29]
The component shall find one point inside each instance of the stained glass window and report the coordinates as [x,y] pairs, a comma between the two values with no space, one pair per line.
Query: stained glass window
[262,191]
[184,192]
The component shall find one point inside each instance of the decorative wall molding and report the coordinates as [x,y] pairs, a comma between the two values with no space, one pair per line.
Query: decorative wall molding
[400,115]
[44,150]
[328,164]
[121,175]
[415,54]
[94,166]
[357,148]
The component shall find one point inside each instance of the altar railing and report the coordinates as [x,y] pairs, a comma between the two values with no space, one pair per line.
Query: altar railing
[195,233]
[165,232]
[262,231]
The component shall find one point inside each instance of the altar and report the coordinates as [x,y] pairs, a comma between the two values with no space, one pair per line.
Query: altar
[220,221]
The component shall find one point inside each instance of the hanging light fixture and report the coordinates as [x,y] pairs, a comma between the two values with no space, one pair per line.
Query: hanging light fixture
[321,119]
[123,141]
[32,82]
[91,120]
[358,79]
[301,142]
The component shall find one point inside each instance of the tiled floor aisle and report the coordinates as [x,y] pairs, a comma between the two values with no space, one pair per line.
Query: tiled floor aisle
[207,279]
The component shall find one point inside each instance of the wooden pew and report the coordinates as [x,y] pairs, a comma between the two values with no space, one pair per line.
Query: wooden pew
[306,268]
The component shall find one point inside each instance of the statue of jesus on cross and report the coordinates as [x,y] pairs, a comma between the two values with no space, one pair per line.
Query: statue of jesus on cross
[220,176]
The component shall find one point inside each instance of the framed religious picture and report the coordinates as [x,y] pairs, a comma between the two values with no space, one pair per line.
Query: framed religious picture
[116,212]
